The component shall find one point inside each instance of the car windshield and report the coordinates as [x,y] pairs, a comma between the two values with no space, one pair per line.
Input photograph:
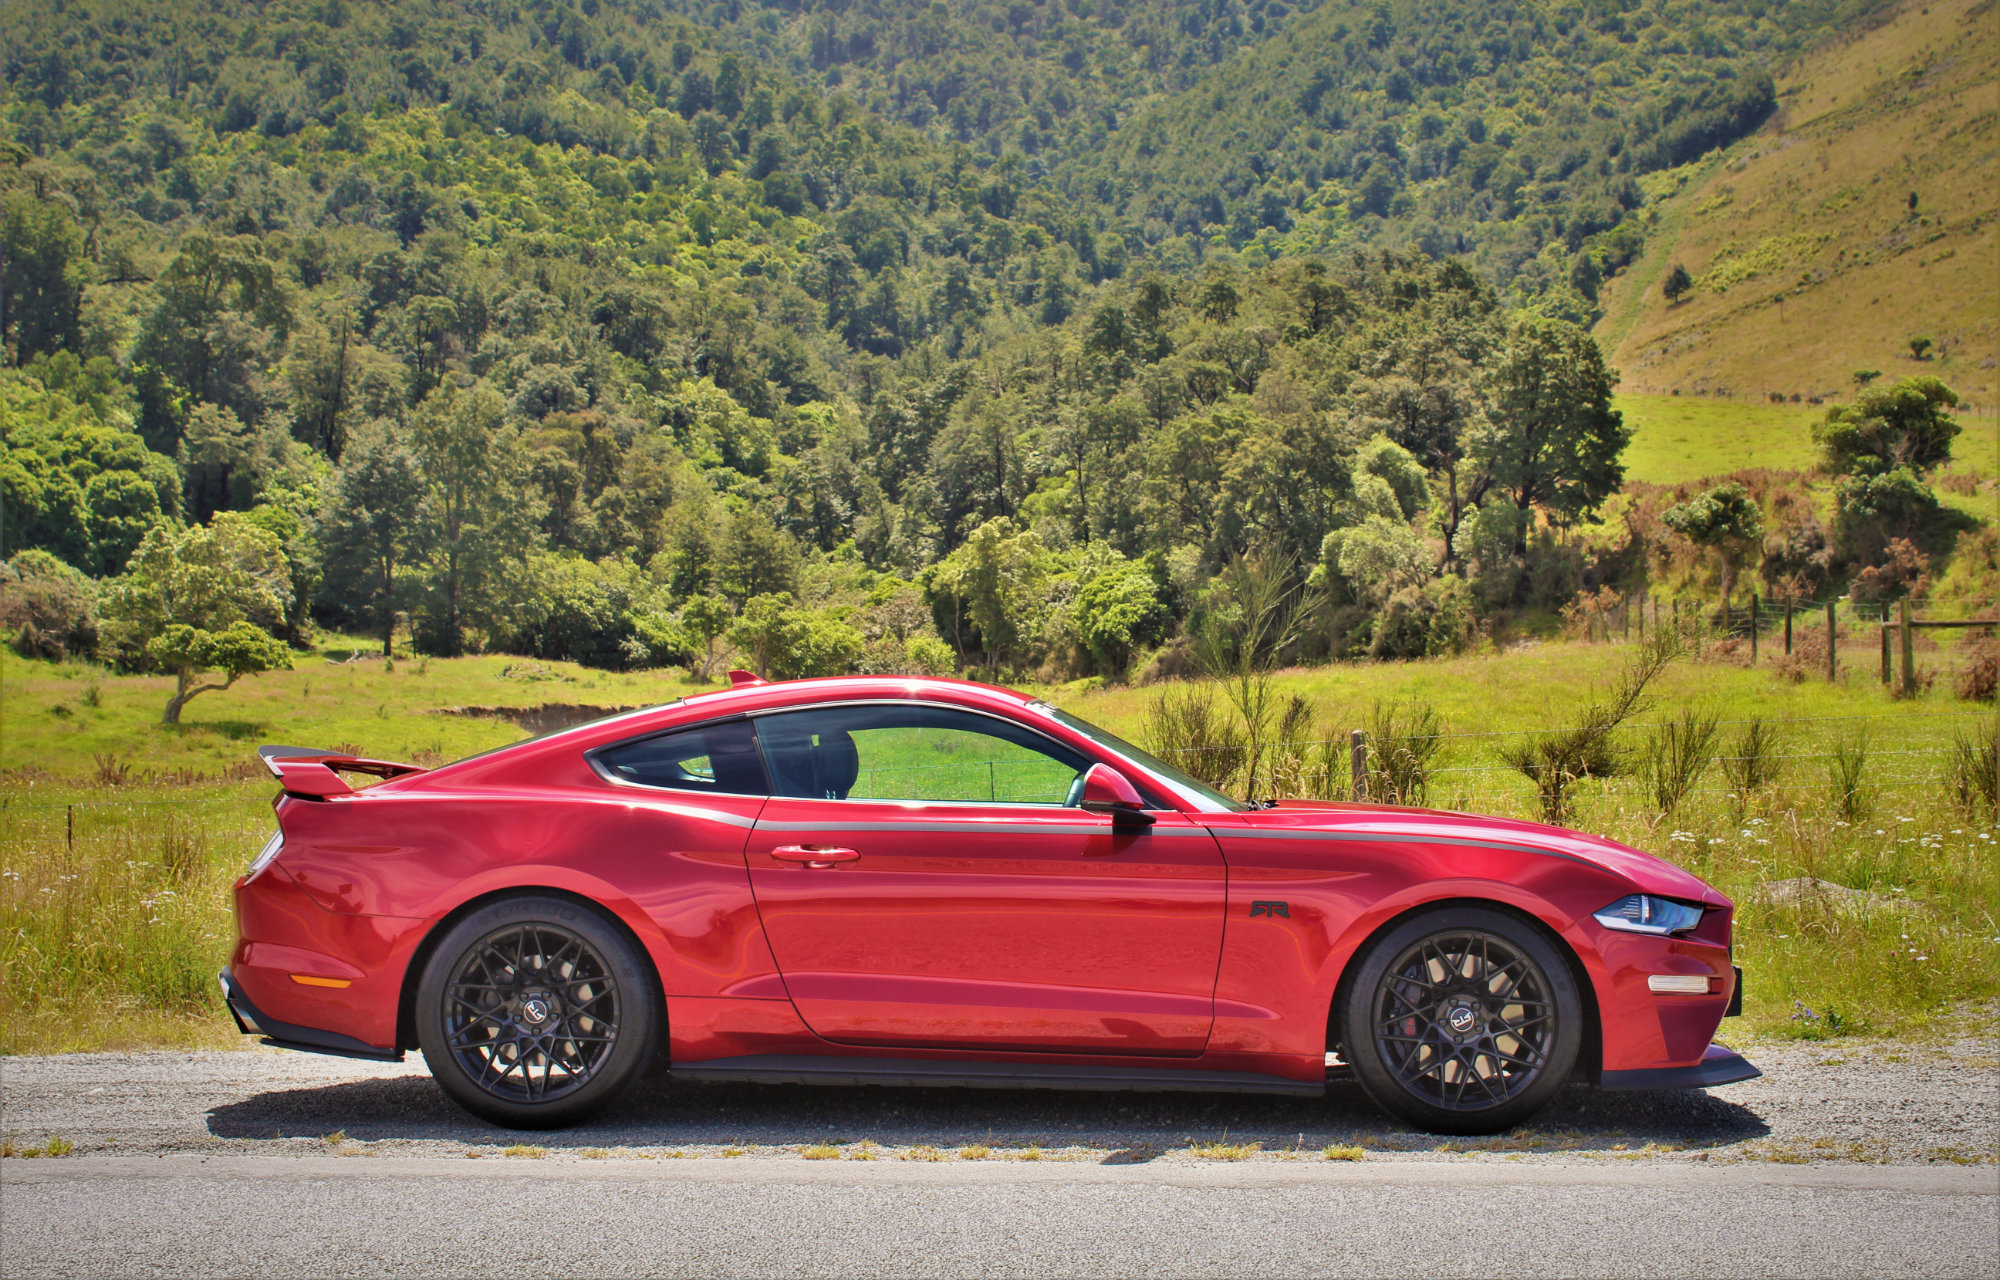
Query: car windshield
[1193,790]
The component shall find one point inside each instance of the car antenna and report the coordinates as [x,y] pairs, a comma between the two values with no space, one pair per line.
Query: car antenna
[741,679]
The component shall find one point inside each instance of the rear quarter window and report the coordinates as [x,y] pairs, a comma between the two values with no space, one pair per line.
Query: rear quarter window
[719,759]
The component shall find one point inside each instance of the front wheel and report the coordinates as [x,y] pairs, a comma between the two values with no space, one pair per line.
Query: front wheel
[535,1012]
[1462,1020]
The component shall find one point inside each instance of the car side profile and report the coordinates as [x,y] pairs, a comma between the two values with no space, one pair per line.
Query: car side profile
[912,881]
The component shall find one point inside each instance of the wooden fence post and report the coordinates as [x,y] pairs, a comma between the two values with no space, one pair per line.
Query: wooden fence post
[1832,662]
[1642,618]
[1788,628]
[1909,655]
[1360,748]
[1753,628]
[1887,670]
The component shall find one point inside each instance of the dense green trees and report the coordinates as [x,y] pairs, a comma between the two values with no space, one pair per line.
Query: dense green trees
[888,336]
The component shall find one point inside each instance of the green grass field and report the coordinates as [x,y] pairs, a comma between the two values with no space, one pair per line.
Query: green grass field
[1681,439]
[119,838]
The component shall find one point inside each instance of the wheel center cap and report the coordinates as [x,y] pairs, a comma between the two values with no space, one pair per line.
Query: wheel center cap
[1461,1019]
[536,1008]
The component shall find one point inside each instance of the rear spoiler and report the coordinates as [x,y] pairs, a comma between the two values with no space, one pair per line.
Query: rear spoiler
[313,773]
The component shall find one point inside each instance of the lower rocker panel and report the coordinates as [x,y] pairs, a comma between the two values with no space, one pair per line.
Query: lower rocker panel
[806,1069]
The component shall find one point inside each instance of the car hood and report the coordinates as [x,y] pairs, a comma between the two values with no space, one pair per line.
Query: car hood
[1647,874]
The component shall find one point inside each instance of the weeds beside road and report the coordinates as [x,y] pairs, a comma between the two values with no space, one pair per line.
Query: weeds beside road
[1863,867]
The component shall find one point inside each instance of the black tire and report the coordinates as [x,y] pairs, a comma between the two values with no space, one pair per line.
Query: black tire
[1462,1020]
[535,1012]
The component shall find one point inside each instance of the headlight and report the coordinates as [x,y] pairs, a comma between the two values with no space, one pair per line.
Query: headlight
[264,856]
[1644,913]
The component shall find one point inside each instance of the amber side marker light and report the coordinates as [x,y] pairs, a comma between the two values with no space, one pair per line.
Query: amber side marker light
[308,980]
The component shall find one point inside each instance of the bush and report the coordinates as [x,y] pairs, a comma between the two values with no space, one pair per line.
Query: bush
[47,609]
[1186,728]
[1402,744]
[1981,677]
[1679,753]
[1752,762]
[1871,510]
[1429,621]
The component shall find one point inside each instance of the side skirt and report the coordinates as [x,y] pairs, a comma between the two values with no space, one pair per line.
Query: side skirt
[919,1072]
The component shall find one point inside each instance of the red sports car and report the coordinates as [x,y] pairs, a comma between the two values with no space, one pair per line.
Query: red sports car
[901,881]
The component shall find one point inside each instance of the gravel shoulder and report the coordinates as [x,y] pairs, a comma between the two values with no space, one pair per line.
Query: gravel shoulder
[1873,1102]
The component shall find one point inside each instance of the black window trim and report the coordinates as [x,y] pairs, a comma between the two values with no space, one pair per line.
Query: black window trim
[598,767]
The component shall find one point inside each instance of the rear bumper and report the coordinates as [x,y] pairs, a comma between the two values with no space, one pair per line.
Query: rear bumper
[286,1035]
[1717,1066]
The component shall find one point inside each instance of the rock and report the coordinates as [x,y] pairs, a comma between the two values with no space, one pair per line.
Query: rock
[1808,889]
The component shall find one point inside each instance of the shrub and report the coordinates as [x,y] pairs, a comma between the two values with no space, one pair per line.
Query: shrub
[1403,742]
[47,609]
[1429,621]
[1679,753]
[1973,782]
[1846,771]
[1186,728]
[1752,762]
[1981,677]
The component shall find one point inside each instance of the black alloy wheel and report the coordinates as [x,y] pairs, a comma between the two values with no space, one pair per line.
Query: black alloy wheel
[1463,1020]
[534,1012]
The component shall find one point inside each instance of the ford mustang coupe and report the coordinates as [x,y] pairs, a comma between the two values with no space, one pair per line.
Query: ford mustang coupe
[899,881]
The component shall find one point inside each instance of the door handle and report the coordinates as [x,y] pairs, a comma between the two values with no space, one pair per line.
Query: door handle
[813,856]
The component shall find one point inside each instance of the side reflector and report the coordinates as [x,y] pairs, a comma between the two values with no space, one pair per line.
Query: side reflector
[309,980]
[1682,984]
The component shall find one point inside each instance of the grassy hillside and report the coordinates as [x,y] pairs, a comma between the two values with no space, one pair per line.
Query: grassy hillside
[1808,257]
[1680,439]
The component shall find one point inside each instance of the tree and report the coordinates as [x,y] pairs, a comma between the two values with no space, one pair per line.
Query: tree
[1116,611]
[485,519]
[200,598]
[1552,439]
[705,618]
[43,268]
[221,305]
[1920,348]
[1677,283]
[1725,519]
[376,524]
[990,579]
[1908,424]
[237,651]
[786,642]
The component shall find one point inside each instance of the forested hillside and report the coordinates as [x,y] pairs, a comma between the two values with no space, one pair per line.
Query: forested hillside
[609,333]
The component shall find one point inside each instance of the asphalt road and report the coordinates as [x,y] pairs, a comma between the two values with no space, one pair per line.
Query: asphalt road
[329,1215]
[1849,1160]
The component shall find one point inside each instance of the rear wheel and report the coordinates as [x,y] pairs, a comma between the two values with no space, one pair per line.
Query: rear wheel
[535,1012]
[1462,1020]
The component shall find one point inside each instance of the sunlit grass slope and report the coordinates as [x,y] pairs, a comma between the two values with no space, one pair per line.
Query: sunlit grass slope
[1809,260]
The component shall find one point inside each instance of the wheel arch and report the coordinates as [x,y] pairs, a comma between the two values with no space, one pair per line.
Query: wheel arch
[1590,1054]
[413,973]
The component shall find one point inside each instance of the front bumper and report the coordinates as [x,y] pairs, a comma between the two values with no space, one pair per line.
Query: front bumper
[1717,1066]
[286,1035]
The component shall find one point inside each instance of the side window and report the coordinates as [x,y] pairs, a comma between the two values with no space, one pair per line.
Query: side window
[717,758]
[914,753]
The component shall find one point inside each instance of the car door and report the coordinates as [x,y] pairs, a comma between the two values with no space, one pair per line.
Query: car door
[925,880]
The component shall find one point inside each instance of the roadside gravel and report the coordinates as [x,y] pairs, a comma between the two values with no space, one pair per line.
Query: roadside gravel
[1866,1101]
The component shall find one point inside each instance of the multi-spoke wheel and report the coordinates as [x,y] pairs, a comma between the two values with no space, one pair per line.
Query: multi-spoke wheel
[535,1011]
[1463,1020]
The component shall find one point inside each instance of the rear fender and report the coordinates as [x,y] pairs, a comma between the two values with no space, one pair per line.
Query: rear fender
[559,882]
